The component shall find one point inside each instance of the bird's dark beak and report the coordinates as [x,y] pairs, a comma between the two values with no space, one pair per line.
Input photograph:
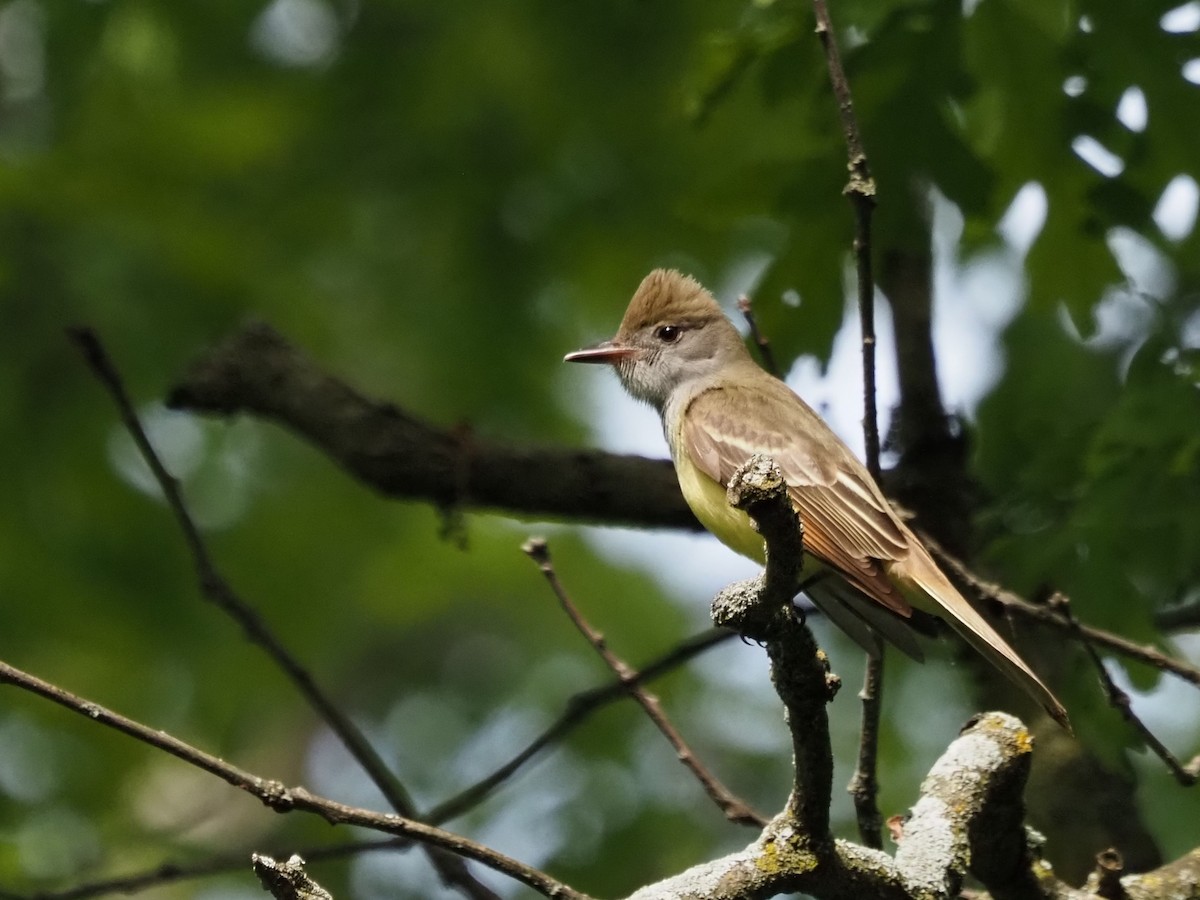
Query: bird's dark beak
[605,352]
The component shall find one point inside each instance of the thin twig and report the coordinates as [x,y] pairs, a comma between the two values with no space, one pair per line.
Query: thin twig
[1117,698]
[864,784]
[735,809]
[281,798]
[218,591]
[579,708]
[764,345]
[861,191]
[169,873]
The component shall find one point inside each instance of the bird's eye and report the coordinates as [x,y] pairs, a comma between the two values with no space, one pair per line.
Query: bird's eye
[668,334]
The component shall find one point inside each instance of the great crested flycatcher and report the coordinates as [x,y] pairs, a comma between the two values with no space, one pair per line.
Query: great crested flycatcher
[677,351]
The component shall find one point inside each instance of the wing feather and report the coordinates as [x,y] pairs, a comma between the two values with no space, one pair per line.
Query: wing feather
[847,522]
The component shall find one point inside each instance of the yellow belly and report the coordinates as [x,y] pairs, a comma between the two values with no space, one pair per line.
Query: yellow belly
[707,500]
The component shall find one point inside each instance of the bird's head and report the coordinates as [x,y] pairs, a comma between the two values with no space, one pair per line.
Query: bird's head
[673,333]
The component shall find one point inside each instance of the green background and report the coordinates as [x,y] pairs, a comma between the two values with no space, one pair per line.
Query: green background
[436,200]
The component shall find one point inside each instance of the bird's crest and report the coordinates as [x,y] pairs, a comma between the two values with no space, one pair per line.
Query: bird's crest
[668,296]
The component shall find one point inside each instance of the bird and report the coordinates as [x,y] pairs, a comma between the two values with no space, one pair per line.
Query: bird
[677,351]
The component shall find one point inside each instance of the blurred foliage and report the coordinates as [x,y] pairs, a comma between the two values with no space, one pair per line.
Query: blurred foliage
[437,199]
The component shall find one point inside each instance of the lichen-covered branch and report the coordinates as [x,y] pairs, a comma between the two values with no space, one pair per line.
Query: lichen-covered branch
[762,609]
[968,818]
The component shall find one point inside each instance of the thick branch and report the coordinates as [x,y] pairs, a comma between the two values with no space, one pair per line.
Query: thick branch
[762,609]
[969,815]
[977,784]
[257,371]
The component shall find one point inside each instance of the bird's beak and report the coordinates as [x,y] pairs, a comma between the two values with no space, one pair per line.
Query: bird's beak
[605,352]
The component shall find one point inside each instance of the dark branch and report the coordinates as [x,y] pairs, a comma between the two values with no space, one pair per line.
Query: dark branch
[864,783]
[1118,699]
[1180,616]
[257,371]
[217,590]
[285,385]
[864,786]
[760,340]
[1017,605]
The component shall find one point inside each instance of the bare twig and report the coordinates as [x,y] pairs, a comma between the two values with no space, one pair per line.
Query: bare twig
[860,189]
[764,346]
[281,798]
[579,708]
[169,873]
[735,809]
[1118,699]
[864,784]
[220,593]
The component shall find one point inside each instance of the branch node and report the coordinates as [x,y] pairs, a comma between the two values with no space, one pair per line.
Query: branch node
[538,550]
[275,794]
[287,880]
[1106,880]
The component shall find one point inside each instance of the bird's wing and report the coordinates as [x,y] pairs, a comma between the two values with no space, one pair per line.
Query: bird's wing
[847,522]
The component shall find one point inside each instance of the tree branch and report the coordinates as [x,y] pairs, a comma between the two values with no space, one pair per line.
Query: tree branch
[970,813]
[1014,603]
[287,880]
[735,809]
[396,453]
[579,708]
[1118,699]
[864,785]
[171,872]
[761,609]
[257,371]
[217,590]
[282,799]
[746,308]
[968,818]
